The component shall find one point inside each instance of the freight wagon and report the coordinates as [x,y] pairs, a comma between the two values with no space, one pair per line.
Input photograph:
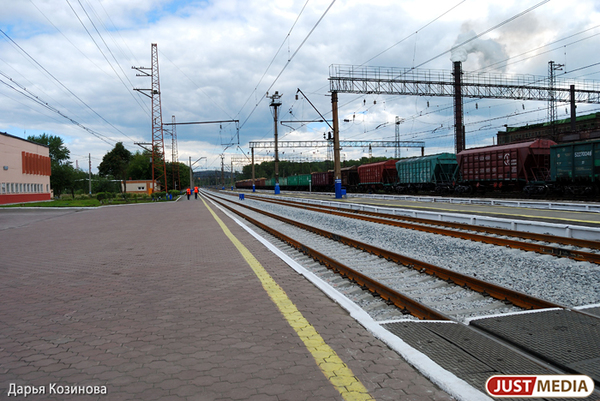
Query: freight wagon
[376,176]
[298,182]
[427,173]
[517,166]
[350,179]
[322,181]
[575,168]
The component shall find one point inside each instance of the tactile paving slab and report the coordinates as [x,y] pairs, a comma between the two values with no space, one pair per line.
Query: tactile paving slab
[565,339]
[469,355]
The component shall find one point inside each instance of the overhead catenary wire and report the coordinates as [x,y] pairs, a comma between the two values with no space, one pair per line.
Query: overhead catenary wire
[290,59]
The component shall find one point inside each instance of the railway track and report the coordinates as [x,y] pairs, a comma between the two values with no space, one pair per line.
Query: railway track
[485,335]
[533,242]
[416,287]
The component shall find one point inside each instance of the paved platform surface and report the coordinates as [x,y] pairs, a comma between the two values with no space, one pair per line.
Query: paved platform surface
[154,303]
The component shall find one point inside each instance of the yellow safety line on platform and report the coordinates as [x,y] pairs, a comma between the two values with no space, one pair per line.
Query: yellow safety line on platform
[336,371]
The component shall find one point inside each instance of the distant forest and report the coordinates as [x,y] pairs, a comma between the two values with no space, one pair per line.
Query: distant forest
[286,168]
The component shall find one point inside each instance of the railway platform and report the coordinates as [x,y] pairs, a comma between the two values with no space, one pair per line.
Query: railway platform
[175,301]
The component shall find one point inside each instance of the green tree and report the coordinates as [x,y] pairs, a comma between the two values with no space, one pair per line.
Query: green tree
[63,173]
[178,175]
[58,151]
[140,166]
[115,162]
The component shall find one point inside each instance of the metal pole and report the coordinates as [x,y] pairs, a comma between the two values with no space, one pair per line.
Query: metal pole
[253,179]
[573,109]
[90,173]
[459,133]
[337,169]
[222,172]
[275,103]
[191,174]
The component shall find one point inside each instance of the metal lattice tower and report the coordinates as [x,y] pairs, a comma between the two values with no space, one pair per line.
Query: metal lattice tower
[159,167]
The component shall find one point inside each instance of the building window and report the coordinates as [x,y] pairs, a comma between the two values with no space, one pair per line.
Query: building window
[3,188]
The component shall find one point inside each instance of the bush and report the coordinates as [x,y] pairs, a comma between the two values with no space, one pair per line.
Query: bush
[158,196]
[101,196]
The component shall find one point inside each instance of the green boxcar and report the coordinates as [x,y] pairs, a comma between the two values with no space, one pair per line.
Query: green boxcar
[575,162]
[427,170]
[292,181]
[283,182]
[298,181]
[270,183]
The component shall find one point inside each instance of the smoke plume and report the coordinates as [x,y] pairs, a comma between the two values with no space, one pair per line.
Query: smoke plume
[488,51]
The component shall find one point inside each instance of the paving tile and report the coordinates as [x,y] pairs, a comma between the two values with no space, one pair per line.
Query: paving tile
[153,302]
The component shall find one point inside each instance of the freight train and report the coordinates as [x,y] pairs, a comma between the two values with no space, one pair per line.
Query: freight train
[535,167]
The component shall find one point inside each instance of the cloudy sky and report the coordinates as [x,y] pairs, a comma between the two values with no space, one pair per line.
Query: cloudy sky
[66,69]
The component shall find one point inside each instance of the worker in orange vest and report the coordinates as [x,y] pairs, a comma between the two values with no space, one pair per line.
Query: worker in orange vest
[189,192]
[196,192]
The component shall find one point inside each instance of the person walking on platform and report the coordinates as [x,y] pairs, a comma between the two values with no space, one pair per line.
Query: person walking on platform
[188,192]
[196,192]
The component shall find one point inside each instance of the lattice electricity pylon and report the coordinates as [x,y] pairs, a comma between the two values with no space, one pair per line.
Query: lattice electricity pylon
[415,82]
[159,167]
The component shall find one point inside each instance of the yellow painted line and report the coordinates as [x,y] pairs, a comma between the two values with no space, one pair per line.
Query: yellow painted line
[334,369]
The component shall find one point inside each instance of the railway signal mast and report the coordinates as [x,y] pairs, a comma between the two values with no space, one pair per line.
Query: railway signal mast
[159,166]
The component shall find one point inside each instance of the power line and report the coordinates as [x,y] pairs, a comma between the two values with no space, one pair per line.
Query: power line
[414,33]
[58,81]
[274,57]
[483,33]
[25,92]
[291,58]
[106,58]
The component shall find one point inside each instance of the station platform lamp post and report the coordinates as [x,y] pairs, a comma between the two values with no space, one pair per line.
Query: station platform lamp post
[275,103]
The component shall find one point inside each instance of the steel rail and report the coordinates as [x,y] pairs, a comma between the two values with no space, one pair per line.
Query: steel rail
[395,221]
[501,293]
[405,303]
[582,243]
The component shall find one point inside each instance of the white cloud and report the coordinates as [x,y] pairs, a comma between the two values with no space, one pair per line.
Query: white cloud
[212,55]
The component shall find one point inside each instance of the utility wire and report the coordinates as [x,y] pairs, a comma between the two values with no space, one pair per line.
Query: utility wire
[25,92]
[514,17]
[106,58]
[56,79]
[274,57]
[414,33]
[290,59]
